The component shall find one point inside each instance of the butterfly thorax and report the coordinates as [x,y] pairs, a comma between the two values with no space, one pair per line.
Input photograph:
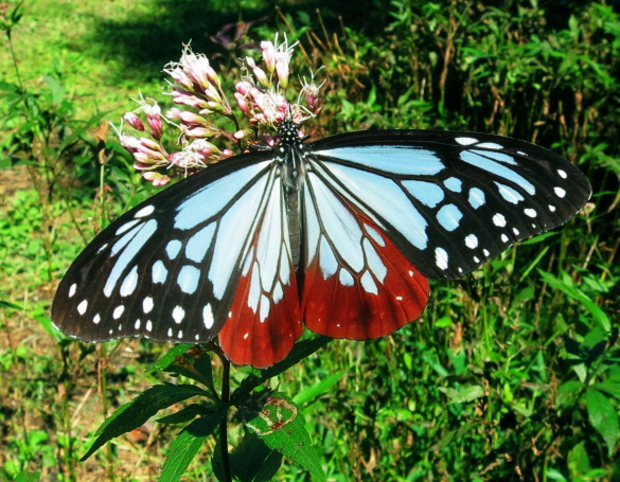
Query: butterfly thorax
[293,175]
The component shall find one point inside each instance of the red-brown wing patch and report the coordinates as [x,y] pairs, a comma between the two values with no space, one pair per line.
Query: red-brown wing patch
[375,302]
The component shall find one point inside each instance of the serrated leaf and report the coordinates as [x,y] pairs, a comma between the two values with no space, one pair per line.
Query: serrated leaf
[603,417]
[280,427]
[254,461]
[185,415]
[185,447]
[293,441]
[135,413]
[168,358]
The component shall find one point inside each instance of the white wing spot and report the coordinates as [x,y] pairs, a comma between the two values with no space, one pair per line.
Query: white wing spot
[441,258]
[118,312]
[197,337]
[551,208]
[562,173]
[486,252]
[471,241]
[207,316]
[530,212]
[180,335]
[399,298]
[499,220]
[137,324]
[147,305]
[82,307]
[159,273]
[145,211]
[246,336]
[466,141]
[476,197]
[516,231]
[368,283]
[126,227]
[265,306]
[169,333]
[411,273]
[72,290]
[559,192]
[345,278]
[504,238]
[130,282]
[149,326]
[173,247]
[490,145]
[476,259]
[96,319]
[178,314]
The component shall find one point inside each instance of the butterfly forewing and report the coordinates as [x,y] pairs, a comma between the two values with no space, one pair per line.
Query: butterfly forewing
[168,269]
[450,201]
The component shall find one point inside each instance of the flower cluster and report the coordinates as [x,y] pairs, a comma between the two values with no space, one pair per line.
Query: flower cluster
[197,92]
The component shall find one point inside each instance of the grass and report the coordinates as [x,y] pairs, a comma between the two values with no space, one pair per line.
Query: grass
[511,374]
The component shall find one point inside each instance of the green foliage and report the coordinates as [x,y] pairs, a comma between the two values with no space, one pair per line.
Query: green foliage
[513,373]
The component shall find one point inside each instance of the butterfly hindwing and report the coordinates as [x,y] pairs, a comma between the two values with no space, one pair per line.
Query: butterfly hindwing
[264,319]
[357,284]
[450,201]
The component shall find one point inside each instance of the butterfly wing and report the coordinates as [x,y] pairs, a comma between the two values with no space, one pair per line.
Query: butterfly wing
[357,284]
[169,269]
[450,201]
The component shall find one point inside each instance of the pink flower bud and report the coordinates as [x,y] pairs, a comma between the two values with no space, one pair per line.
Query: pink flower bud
[180,77]
[198,132]
[261,76]
[243,87]
[282,63]
[196,68]
[269,55]
[134,121]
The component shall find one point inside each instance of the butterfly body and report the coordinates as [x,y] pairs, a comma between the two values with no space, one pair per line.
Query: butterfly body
[339,235]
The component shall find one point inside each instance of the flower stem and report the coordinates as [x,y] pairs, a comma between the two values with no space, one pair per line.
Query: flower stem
[224,423]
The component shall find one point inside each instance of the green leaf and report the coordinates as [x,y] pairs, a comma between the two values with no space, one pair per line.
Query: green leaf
[6,304]
[464,394]
[611,386]
[253,461]
[603,417]
[301,350]
[313,392]
[280,427]
[188,443]
[568,286]
[186,414]
[135,413]
[578,461]
[168,358]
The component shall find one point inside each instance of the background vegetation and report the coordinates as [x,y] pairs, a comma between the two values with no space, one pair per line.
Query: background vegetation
[512,374]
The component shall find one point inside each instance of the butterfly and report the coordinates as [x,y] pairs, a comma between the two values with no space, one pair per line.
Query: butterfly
[339,235]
